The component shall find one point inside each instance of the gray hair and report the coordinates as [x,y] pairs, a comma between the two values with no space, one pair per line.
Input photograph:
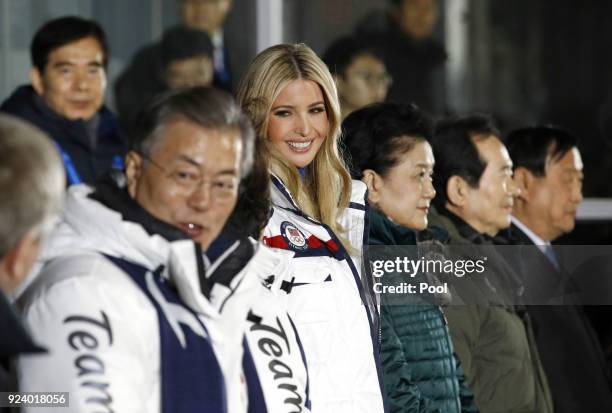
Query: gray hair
[204,106]
[32,181]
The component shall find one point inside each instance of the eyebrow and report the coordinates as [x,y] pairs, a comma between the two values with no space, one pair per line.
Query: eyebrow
[193,162]
[63,63]
[231,171]
[292,106]
[67,63]
[187,159]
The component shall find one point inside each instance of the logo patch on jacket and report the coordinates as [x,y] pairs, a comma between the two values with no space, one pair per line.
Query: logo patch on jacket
[293,236]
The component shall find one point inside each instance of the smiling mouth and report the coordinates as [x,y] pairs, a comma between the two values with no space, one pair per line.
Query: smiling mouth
[299,146]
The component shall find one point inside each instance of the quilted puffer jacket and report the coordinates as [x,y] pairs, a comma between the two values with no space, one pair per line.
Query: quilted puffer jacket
[420,370]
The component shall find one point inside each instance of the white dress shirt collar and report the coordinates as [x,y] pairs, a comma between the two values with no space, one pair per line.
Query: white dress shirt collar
[532,236]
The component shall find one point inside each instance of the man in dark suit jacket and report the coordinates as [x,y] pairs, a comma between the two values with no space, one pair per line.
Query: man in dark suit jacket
[548,171]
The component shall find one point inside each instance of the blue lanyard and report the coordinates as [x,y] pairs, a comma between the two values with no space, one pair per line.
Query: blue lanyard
[118,163]
[73,176]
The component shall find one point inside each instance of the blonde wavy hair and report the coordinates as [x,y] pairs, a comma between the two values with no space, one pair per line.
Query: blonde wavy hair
[325,190]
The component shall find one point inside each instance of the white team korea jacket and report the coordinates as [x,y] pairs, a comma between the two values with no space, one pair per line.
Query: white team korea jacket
[103,331]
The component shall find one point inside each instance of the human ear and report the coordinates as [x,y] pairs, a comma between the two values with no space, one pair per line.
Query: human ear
[133,171]
[523,179]
[37,82]
[18,261]
[374,183]
[457,191]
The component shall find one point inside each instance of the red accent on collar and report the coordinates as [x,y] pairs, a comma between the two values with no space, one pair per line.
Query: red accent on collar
[276,241]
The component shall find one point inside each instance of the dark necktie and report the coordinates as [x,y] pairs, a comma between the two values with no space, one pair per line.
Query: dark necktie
[552,257]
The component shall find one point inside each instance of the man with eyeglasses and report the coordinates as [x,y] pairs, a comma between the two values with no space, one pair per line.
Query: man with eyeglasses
[359,72]
[135,316]
[145,76]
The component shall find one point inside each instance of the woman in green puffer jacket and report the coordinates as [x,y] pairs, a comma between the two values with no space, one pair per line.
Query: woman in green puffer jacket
[386,147]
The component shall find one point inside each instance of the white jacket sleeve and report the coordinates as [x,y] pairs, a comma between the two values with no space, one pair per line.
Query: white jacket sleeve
[101,335]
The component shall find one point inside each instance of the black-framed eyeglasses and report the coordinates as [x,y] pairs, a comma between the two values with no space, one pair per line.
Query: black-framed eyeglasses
[383,79]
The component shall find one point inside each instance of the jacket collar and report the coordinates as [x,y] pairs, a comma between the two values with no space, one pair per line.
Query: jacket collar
[383,231]
[466,230]
[228,257]
[280,195]
[111,192]
[26,103]
[124,230]
[15,339]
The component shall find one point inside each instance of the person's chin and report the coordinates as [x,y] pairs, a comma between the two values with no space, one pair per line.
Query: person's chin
[84,116]
[568,226]
[300,161]
[418,224]
[504,223]
[204,26]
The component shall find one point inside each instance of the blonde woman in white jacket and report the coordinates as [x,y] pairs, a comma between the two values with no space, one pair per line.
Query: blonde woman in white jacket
[319,214]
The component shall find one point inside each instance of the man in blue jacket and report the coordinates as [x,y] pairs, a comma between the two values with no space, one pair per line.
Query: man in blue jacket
[66,97]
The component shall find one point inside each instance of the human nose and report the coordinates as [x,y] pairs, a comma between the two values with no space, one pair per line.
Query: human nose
[577,193]
[81,82]
[429,190]
[513,189]
[302,125]
[201,196]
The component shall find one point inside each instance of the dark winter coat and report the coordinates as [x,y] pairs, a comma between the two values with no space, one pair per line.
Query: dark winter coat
[93,147]
[494,337]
